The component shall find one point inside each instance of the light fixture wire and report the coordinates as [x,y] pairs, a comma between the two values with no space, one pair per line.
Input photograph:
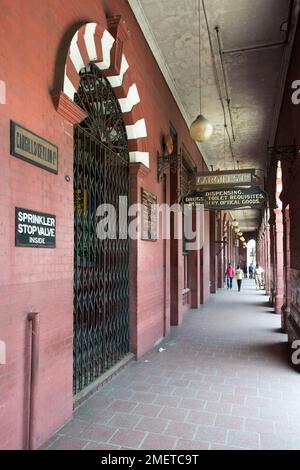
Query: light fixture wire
[199,64]
[218,85]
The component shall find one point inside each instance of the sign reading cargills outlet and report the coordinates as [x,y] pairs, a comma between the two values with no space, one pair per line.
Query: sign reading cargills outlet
[228,198]
[221,179]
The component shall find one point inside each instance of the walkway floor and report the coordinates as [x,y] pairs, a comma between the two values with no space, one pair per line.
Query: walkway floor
[223,382]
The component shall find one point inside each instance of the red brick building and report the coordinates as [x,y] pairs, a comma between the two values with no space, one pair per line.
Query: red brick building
[43,49]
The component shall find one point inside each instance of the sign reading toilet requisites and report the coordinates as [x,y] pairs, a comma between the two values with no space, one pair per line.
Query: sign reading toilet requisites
[34,229]
[228,198]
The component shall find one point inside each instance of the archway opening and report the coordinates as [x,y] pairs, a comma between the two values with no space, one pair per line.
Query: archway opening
[101,261]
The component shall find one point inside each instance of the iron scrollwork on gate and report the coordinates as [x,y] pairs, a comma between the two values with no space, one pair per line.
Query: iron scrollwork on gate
[101,267]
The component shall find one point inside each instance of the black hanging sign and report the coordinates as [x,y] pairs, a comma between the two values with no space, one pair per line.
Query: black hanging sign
[33,148]
[34,229]
[224,199]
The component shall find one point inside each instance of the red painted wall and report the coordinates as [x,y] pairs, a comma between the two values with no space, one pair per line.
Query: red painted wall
[34,36]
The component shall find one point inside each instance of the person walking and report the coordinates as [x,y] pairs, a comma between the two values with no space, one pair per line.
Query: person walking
[239,274]
[245,269]
[229,275]
[258,276]
[251,271]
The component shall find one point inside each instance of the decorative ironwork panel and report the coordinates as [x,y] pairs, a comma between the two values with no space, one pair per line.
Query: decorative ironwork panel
[101,266]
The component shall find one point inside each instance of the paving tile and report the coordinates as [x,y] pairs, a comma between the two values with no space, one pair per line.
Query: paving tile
[174,414]
[162,389]
[128,438]
[167,400]
[144,397]
[274,414]
[153,425]
[218,407]
[275,442]
[185,444]
[158,442]
[67,443]
[184,392]
[124,420]
[178,383]
[122,405]
[207,395]
[229,422]
[74,428]
[248,391]
[98,433]
[246,440]
[147,409]
[233,399]
[101,446]
[177,429]
[260,426]
[261,402]
[140,386]
[190,404]
[245,411]
[201,417]
[222,388]
[155,380]
[223,447]
[211,434]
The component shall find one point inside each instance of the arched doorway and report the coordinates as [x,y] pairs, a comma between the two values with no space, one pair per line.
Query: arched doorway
[101,266]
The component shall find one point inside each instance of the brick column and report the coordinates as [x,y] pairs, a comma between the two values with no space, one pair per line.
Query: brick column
[221,233]
[287,270]
[268,265]
[137,171]
[279,296]
[195,272]
[279,285]
[213,248]
[176,281]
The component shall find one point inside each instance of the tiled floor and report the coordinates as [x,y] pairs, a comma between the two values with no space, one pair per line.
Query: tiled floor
[223,382]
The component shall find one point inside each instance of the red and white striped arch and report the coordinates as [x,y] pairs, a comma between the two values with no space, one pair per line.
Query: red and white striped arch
[93,43]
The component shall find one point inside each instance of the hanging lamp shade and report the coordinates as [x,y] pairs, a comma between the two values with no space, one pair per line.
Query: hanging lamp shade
[201,129]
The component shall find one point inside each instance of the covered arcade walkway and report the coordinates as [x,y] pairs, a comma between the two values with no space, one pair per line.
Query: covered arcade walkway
[222,382]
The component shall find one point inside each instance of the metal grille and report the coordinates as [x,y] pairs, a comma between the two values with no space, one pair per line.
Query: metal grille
[101,267]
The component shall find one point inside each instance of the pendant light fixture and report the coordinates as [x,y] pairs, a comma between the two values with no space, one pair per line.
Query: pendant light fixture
[201,129]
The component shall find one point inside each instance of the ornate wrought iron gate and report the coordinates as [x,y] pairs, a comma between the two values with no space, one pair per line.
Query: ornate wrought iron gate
[101,267]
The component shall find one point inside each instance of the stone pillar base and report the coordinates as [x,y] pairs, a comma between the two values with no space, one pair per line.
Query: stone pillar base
[285,313]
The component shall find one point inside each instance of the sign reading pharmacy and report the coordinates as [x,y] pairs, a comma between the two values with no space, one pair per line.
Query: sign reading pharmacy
[225,178]
[228,198]
[34,229]
[32,148]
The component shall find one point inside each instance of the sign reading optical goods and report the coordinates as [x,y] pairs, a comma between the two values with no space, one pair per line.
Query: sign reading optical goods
[228,198]
[32,148]
[35,229]
[224,178]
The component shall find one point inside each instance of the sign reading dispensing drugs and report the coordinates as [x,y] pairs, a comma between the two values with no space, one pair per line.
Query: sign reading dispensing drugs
[228,198]
[35,229]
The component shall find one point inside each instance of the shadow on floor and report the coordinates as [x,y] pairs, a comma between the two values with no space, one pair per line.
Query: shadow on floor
[279,353]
